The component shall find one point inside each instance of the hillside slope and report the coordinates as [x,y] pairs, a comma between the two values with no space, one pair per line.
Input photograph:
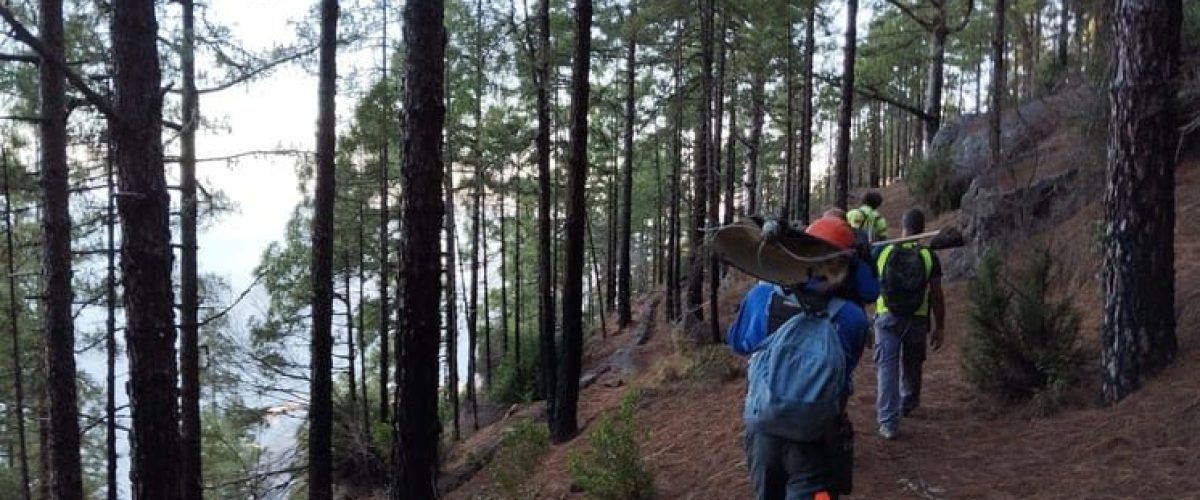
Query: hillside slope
[956,445]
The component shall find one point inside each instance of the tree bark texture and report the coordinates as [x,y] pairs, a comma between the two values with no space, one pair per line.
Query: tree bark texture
[143,203]
[998,84]
[565,425]
[320,413]
[57,321]
[846,110]
[1138,338]
[546,322]
[626,212]
[758,82]
[693,311]
[806,112]
[417,429]
[451,305]
[191,487]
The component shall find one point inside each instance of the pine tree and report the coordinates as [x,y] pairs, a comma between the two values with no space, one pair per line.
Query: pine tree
[143,203]
[841,175]
[1138,338]
[564,424]
[189,328]
[416,436]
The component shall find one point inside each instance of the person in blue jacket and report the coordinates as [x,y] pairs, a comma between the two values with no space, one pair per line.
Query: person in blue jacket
[781,469]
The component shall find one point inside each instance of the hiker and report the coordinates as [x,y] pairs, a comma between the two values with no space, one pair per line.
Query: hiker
[910,278]
[866,220]
[798,448]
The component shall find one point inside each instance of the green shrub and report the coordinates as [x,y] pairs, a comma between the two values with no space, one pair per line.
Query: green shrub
[520,448]
[930,181]
[1022,342]
[612,469]
[510,386]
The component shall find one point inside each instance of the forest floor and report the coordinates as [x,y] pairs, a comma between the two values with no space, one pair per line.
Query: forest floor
[957,445]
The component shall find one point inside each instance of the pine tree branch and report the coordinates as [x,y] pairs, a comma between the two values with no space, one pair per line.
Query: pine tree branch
[966,17]
[25,58]
[911,14]
[23,35]
[875,94]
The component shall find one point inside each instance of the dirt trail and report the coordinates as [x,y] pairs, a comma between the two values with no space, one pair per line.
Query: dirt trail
[955,446]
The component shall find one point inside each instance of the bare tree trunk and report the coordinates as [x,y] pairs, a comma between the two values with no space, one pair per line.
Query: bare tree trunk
[673,272]
[417,430]
[731,145]
[758,82]
[846,111]
[694,313]
[806,111]
[57,321]
[14,320]
[626,212]
[320,440]
[189,329]
[518,304]
[998,80]
[789,151]
[1064,23]
[873,177]
[1139,245]
[546,350]
[351,375]
[143,203]
[451,302]
[564,425]
[110,329]
[714,173]
[385,215]
[362,318]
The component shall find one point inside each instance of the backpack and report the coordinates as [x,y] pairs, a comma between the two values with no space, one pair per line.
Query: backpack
[795,380]
[864,234]
[904,280]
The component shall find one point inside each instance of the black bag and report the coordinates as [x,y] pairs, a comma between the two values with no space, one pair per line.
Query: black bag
[905,281]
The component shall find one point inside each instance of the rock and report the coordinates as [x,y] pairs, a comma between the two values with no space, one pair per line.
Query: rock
[615,383]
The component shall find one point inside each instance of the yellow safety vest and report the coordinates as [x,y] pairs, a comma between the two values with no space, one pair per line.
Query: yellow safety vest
[881,263]
[863,215]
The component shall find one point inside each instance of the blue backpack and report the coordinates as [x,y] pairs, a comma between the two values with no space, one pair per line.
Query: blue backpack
[794,383]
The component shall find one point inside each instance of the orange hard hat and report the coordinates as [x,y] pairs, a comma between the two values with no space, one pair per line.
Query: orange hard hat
[833,231]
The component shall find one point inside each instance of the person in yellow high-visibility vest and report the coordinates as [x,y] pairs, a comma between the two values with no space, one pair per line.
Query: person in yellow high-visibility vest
[911,295]
[867,220]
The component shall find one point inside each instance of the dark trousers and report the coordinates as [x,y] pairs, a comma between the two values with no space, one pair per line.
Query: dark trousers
[791,470]
[899,356]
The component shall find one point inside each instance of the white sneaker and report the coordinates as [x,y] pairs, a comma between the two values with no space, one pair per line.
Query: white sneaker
[888,432]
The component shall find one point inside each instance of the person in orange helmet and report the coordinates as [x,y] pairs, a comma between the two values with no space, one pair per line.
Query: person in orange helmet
[804,453]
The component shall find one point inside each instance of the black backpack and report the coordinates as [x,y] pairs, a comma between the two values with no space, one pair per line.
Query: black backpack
[905,280]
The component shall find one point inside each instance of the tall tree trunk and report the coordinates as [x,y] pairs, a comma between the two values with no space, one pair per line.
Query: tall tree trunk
[110,329]
[731,146]
[351,376]
[874,166]
[518,279]
[320,415]
[451,302]
[714,173]
[487,319]
[143,203]
[694,313]
[806,111]
[362,317]
[1064,23]
[189,328]
[659,247]
[57,321]
[846,111]
[546,323]
[789,120]
[473,298]
[626,215]
[998,84]
[934,83]
[564,425]
[673,258]
[1139,245]
[385,215]
[417,430]
[758,82]
[18,375]
[502,208]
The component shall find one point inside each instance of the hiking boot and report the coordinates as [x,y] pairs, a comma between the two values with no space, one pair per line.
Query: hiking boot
[888,432]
